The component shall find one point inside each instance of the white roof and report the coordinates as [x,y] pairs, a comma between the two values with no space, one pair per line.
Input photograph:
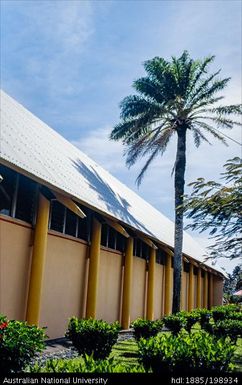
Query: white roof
[38,150]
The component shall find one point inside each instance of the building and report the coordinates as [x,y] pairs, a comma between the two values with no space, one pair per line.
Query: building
[76,241]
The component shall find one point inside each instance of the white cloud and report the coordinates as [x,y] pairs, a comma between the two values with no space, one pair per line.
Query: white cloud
[68,24]
[224,263]
[104,151]
[74,25]
[227,264]
[53,38]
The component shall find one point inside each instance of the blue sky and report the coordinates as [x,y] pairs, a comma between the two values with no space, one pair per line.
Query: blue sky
[71,62]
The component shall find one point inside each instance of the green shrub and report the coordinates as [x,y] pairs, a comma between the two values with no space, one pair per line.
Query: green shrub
[190,319]
[19,343]
[208,327]
[144,328]
[236,316]
[198,352]
[174,323]
[229,308]
[83,365]
[219,314]
[3,318]
[231,328]
[223,312]
[93,337]
[204,317]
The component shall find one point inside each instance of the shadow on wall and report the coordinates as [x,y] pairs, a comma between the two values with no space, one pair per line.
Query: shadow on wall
[115,204]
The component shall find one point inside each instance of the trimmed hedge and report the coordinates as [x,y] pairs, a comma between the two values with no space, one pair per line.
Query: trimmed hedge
[224,312]
[236,316]
[197,353]
[204,316]
[145,328]
[190,319]
[174,323]
[229,327]
[93,337]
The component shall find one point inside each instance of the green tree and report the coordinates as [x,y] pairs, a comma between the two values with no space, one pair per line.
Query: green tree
[174,98]
[217,207]
[234,281]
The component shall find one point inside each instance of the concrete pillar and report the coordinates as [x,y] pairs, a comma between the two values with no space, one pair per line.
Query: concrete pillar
[38,262]
[92,286]
[205,290]
[210,291]
[127,288]
[168,285]
[151,285]
[191,288]
[199,287]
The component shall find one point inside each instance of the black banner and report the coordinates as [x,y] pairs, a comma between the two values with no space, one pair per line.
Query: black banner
[121,379]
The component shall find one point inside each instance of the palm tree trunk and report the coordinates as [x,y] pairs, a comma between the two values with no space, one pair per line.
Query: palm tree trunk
[180,167]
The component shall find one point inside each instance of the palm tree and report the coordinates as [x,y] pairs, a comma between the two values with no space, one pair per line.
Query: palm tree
[174,97]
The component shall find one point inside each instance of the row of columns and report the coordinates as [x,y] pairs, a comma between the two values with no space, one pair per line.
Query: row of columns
[207,289]
[37,272]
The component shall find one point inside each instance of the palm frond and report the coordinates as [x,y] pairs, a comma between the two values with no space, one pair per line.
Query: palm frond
[131,129]
[197,139]
[140,147]
[158,138]
[212,131]
[156,68]
[198,136]
[201,86]
[150,89]
[182,68]
[134,105]
[208,92]
[199,68]
[223,122]
[163,139]
[144,169]
[227,110]
[198,107]
[122,129]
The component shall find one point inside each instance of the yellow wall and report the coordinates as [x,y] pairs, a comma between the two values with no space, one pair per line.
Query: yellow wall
[138,289]
[109,287]
[159,291]
[15,250]
[64,281]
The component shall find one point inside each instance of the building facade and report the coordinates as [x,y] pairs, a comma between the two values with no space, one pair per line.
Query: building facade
[75,241]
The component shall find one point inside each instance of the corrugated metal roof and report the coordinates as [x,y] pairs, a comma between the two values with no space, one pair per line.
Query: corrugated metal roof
[37,149]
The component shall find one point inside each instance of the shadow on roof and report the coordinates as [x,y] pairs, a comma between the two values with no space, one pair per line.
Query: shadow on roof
[115,204]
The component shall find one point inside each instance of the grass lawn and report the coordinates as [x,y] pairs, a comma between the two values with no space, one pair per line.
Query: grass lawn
[125,352]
